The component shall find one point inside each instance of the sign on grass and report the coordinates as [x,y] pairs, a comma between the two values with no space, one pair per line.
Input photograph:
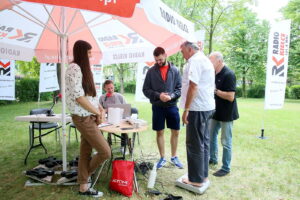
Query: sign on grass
[7,80]
[277,64]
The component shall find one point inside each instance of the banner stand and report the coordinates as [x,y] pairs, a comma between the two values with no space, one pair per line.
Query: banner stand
[262,135]
[39,99]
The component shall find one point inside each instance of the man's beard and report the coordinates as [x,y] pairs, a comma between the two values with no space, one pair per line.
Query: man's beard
[163,64]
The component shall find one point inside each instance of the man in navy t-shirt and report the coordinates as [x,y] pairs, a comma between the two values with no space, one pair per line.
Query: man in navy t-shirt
[226,112]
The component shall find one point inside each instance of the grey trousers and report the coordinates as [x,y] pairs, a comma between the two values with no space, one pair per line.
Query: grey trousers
[197,145]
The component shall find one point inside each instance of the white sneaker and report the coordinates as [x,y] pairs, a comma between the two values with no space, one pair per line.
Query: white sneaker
[91,193]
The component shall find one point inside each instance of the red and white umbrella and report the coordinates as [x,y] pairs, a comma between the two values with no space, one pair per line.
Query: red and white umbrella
[31,29]
[120,31]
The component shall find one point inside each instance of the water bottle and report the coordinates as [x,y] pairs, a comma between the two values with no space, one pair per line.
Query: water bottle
[152,177]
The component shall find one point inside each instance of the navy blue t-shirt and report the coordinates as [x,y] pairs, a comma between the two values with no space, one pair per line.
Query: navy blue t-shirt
[225,110]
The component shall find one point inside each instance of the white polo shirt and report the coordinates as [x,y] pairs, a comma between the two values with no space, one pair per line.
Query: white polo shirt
[200,71]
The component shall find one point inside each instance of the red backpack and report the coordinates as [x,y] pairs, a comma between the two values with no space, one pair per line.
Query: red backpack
[122,177]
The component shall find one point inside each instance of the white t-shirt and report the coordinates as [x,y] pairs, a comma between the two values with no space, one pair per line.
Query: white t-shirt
[200,71]
[74,90]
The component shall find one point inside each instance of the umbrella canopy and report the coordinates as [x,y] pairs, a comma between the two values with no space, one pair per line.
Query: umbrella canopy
[31,29]
[48,29]
[119,8]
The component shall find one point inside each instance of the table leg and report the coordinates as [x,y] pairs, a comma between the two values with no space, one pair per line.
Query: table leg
[40,138]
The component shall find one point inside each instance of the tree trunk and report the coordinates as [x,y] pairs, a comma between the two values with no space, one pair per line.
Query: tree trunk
[244,82]
[121,75]
[58,70]
[211,29]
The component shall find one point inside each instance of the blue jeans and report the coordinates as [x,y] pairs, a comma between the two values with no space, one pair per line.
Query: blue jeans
[226,141]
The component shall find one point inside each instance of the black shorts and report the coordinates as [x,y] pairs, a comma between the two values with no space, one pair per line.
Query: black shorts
[168,114]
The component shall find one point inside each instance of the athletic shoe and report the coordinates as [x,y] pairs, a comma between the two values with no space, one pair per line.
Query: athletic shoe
[220,173]
[161,163]
[212,163]
[176,162]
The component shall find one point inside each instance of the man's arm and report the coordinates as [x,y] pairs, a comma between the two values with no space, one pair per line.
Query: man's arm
[230,83]
[122,99]
[191,93]
[177,91]
[229,96]
[148,91]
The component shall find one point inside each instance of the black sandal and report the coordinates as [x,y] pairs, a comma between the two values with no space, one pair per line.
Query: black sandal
[69,174]
[40,172]
[171,197]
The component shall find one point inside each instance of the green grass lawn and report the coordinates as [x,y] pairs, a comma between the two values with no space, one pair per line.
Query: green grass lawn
[261,169]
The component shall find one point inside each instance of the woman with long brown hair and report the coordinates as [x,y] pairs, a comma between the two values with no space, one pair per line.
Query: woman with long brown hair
[86,115]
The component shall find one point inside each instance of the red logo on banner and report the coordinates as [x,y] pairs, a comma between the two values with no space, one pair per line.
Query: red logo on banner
[279,40]
[112,41]
[15,34]
[4,69]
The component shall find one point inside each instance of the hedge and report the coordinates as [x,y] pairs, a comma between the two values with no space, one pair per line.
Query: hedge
[238,92]
[256,91]
[295,92]
[129,87]
[26,90]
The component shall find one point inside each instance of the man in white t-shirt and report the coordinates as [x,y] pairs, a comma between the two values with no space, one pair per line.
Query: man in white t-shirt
[197,100]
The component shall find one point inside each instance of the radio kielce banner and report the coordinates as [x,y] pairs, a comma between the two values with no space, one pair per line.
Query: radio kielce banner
[277,64]
[48,78]
[142,70]
[7,80]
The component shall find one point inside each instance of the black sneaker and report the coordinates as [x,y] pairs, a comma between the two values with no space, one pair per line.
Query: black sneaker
[220,173]
[91,193]
[172,197]
[212,162]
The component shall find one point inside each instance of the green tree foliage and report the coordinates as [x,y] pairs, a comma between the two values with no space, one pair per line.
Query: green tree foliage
[246,50]
[123,71]
[29,69]
[178,60]
[292,11]
[208,15]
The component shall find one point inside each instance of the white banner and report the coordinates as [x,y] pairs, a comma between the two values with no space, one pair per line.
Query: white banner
[166,17]
[7,80]
[48,78]
[98,79]
[142,70]
[277,64]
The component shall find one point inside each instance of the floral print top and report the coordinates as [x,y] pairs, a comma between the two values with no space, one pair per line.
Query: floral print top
[75,90]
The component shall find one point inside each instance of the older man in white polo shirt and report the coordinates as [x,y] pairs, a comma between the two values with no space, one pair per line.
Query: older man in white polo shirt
[198,83]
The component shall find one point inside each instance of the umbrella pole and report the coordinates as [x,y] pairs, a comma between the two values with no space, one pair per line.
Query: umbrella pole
[63,65]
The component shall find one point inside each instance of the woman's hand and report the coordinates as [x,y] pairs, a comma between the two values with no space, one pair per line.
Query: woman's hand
[99,119]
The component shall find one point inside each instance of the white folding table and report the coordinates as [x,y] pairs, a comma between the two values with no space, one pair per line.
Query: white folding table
[40,118]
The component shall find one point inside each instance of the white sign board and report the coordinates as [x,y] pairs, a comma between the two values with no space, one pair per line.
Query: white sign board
[7,80]
[142,70]
[48,78]
[98,79]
